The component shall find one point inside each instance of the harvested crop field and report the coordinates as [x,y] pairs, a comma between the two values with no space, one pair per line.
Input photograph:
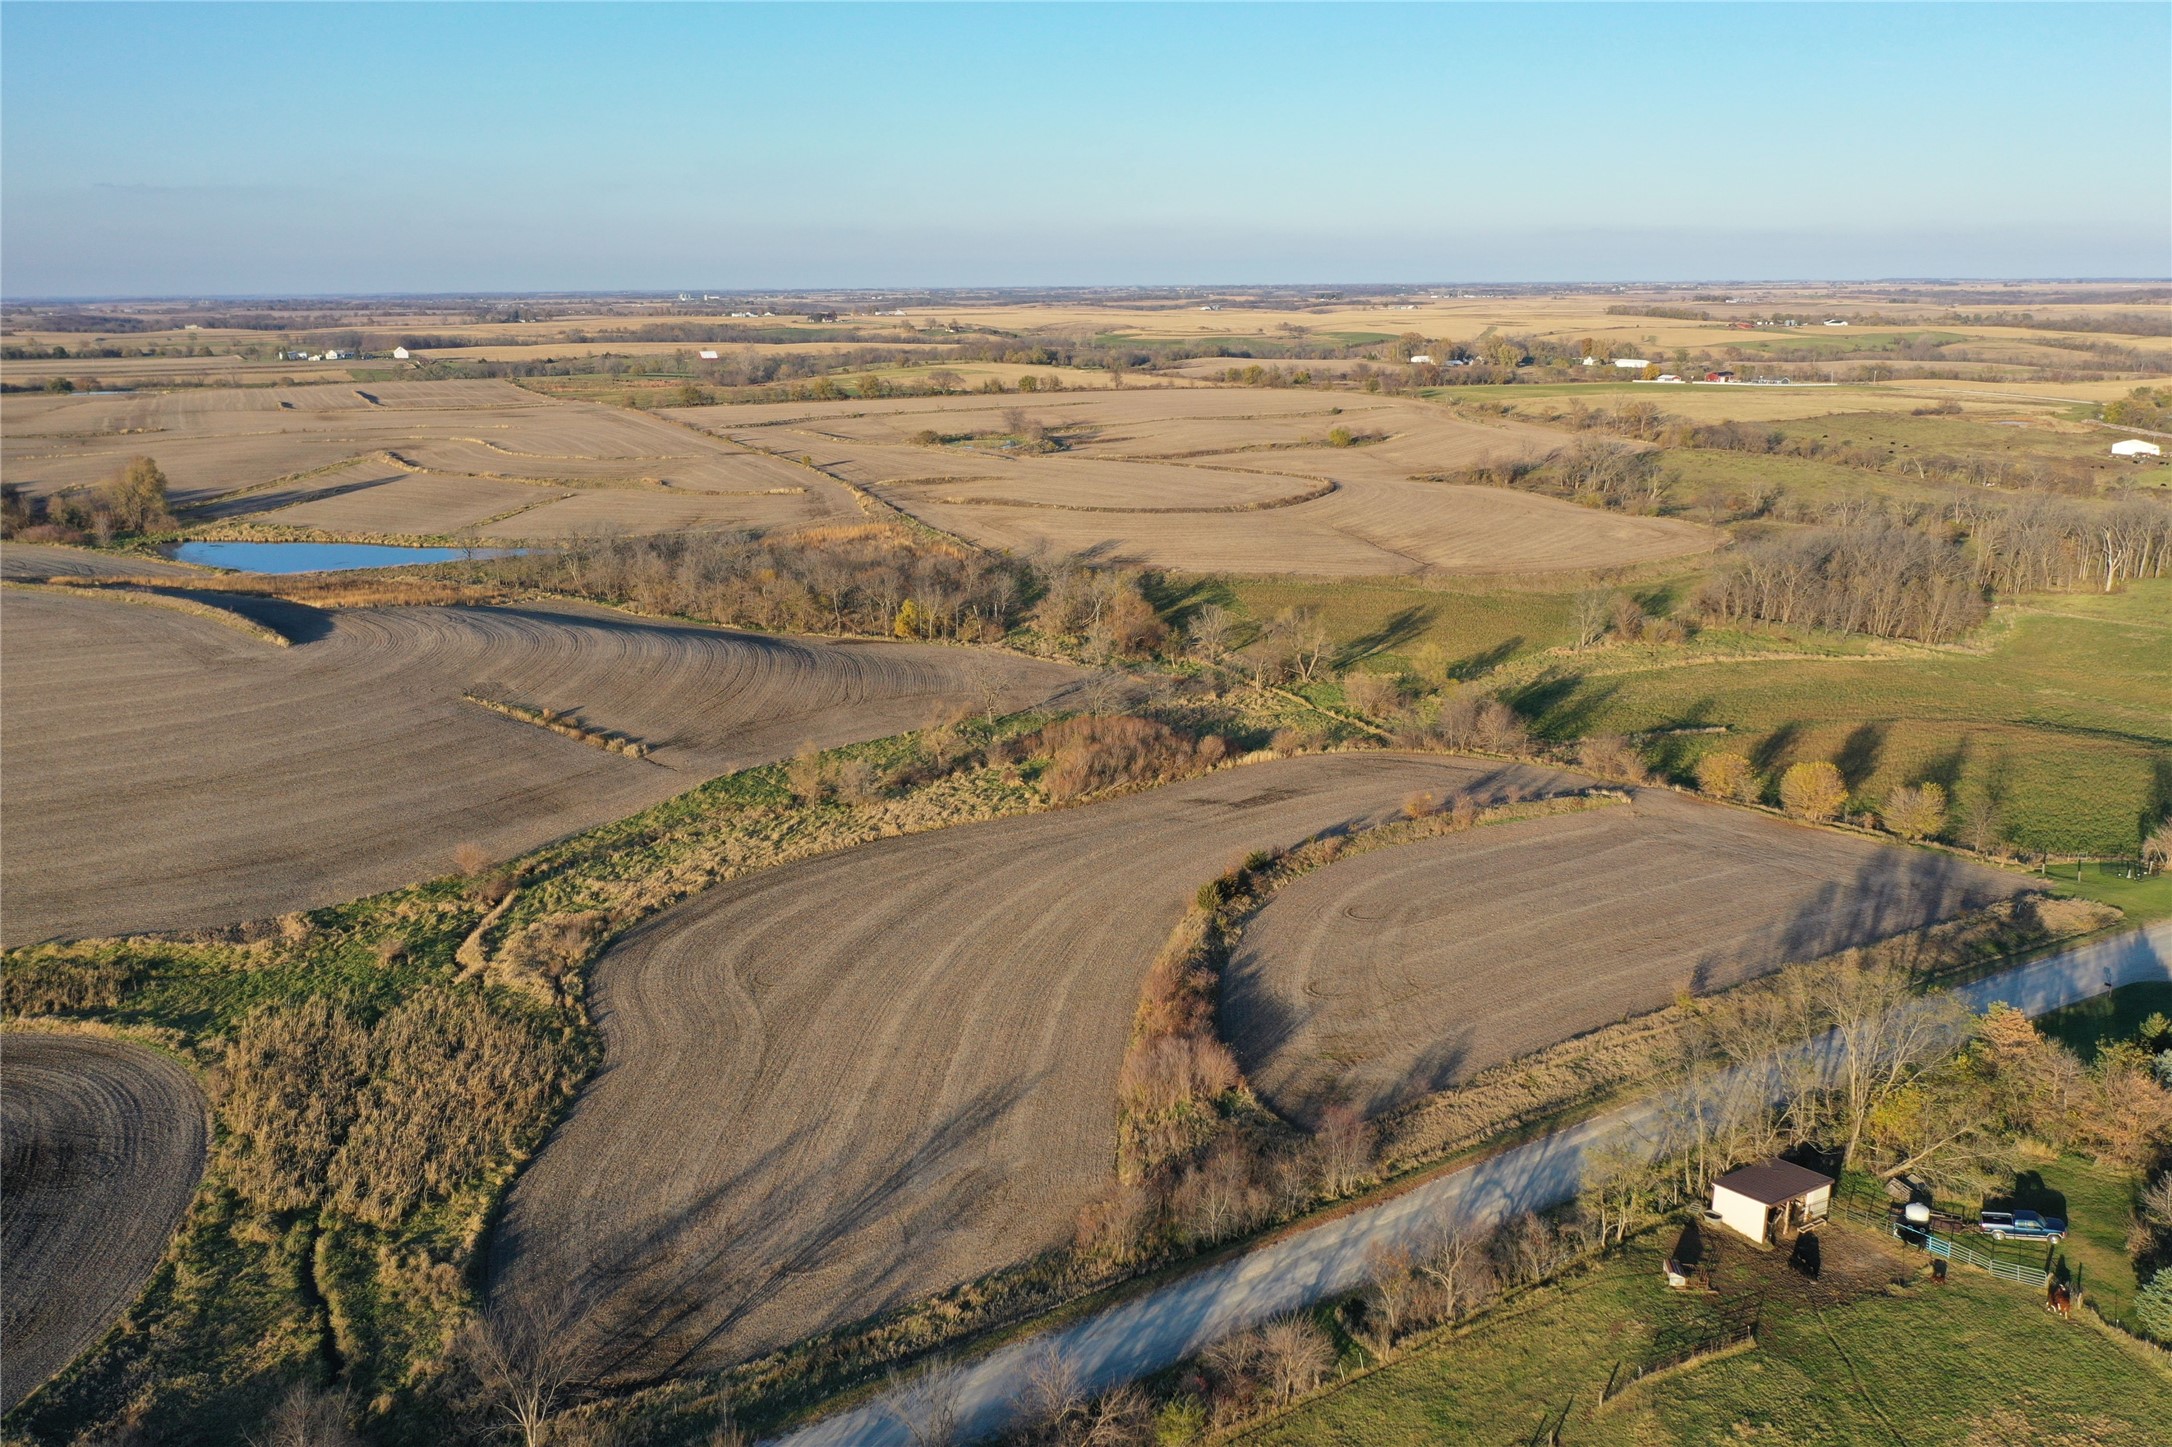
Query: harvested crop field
[335,457]
[1212,480]
[846,1083]
[164,772]
[104,1141]
[1407,970]
[32,562]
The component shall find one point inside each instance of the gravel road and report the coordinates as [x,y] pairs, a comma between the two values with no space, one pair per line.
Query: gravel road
[1165,1325]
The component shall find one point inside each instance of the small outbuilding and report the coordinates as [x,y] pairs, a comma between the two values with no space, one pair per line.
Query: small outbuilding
[401,354]
[707,354]
[1771,1199]
[2136,447]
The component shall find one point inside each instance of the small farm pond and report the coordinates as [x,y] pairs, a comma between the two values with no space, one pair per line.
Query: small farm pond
[319,557]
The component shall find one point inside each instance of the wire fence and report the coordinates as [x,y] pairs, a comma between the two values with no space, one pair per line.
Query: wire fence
[1721,1343]
[1870,1211]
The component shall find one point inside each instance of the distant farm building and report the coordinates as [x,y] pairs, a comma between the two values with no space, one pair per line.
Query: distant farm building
[2136,447]
[1719,376]
[401,354]
[1631,363]
[1421,360]
[707,354]
[1771,1199]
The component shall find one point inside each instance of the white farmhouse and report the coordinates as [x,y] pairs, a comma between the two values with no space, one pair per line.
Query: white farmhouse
[1771,1199]
[2136,447]
[401,354]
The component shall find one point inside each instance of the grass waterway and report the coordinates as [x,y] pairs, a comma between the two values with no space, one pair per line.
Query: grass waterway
[319,557]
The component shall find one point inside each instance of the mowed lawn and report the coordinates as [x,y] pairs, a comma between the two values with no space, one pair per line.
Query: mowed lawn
[2059,712]
[1971,1362]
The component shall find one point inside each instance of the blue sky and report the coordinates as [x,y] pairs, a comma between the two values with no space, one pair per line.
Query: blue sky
[180,149]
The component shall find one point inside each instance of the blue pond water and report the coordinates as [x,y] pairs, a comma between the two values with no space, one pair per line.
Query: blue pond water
[318,557]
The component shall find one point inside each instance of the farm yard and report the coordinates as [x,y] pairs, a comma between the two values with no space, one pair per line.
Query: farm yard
[166,772]
[804,975]
[104,1143]
[1837,1362]
[1379,979]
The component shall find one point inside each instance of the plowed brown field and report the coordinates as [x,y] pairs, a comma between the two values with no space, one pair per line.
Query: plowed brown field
[104,1142]
[165,772]
[468,451]
[30,562]
[1405,971]
[1174,478]
[846,1083]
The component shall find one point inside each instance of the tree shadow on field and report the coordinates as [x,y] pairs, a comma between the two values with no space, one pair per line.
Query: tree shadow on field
[1891,892]
[295,622]
[685,1289]
[1669,752]
[1436,1068]
[2157,799]
[1771,751]
[1561,705]
[1859,754]
[1945,769]
[1178,601]
[1404,625]
[1485,660]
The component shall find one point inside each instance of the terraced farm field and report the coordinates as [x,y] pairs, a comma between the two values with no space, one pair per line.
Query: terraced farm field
[423,458]
[1401,972]
[843,1084]
[104,1143]
[28,562]
[1213,480]
[165,772]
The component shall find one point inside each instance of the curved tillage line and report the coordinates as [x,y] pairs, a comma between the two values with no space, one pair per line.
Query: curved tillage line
[1409,970]
[846,1083]
[105,1142]
[163,773]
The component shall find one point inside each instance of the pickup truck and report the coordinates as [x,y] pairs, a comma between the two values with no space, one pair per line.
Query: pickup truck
[2020,1226]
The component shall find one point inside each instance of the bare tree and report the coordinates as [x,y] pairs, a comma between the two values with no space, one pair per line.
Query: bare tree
[1885,1032]
[1344,1147]
[1209,631]
[1296,1354]
[1589,615]
[1453,1263]
[524,1363]
[1054,1398]
[1389,1291]
[1120,1418]
[306,1417]
[926,1405]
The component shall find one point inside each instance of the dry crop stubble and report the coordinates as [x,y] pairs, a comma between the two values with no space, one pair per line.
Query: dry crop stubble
[164,772]
[1402,972]
[32,562]
[1107,498]
[105,1141]
[847,1083]
[277,455]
